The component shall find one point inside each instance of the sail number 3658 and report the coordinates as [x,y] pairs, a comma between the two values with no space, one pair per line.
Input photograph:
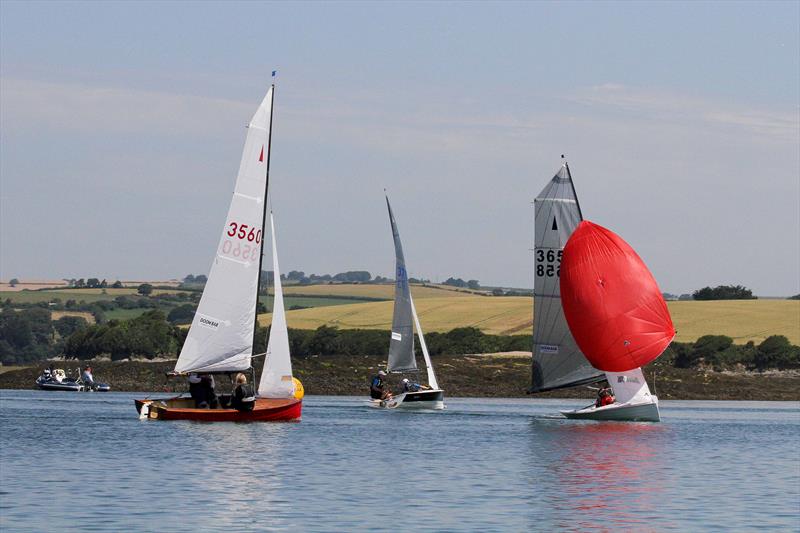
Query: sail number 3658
[241,232]
[548,263]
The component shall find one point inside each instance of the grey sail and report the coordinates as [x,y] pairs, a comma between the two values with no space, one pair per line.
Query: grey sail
[557,360]
[401,346]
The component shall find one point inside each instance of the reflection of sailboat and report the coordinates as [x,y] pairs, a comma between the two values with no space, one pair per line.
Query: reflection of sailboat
[600,476]
[401,347]
[222,333]
[559,360]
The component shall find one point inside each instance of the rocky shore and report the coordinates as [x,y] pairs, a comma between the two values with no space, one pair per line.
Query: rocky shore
[491,376]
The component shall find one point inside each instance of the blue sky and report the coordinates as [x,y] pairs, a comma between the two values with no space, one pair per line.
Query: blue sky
[121,126]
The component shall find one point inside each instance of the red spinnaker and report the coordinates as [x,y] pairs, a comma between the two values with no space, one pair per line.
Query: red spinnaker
[612,303]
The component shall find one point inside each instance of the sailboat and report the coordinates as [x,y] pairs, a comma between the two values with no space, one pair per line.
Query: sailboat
[559,360]
[222,334]
[401,345]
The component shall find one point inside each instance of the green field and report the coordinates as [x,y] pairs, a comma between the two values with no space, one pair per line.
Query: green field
[744,320]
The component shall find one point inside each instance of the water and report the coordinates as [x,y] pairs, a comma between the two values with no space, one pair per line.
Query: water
[72,461]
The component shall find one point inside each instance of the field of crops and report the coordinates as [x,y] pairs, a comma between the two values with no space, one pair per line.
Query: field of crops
[385,292]
[744,320]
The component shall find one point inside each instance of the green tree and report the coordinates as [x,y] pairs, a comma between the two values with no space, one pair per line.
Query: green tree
[145,289]
[93,283]
[67,325]
[117,285]
[14,282]
[183,314]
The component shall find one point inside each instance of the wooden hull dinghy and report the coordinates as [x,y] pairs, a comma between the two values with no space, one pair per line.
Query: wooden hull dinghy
[223,332]
[182,408]
[425,399]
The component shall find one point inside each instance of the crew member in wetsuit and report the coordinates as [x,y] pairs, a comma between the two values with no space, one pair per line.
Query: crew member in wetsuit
[243,397]
[377,387]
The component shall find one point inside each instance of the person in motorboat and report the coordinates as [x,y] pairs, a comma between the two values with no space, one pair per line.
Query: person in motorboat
[243,397]
[201,387]
[88,379]
[413,386]
[604,397]
[377,387]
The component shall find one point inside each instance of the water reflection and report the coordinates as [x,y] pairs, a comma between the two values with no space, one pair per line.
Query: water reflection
[599,475]
[244,468]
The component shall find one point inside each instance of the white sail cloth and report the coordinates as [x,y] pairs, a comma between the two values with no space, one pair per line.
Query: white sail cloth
[221,335]
[557,360]
[401,345]
[276,378]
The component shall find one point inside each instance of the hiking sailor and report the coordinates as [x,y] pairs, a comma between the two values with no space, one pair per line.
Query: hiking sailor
[377,387]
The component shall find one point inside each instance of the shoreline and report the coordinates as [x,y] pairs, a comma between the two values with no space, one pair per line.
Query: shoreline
[469,376]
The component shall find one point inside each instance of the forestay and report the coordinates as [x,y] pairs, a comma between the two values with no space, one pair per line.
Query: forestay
[276,378]
[401,346]
[221,335]
[557,360]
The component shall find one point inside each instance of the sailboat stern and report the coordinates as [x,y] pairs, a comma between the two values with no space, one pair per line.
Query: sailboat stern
[646,411]
[424,399]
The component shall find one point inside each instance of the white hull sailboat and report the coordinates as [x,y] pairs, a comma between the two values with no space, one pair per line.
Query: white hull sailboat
[633,401]
[401,346]
[222,334]
[558,360]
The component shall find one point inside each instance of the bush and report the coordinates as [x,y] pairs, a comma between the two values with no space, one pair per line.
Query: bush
[777,352]
[183,314]
[705,349]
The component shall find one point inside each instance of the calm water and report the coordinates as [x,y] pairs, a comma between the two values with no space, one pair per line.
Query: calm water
[85,462]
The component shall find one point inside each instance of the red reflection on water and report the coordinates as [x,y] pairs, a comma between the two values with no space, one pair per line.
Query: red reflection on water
[609,473]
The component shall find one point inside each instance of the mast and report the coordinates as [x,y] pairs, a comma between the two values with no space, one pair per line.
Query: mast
[264,215]
[566,165]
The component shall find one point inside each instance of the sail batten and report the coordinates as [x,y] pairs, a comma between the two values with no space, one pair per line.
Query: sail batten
[220,338]
[557,360]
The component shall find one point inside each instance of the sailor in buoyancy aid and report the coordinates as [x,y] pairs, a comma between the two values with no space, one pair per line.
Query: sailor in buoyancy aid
[377,387]
[243,397]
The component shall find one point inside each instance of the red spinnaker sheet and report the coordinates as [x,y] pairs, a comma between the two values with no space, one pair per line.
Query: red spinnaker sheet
[612,303]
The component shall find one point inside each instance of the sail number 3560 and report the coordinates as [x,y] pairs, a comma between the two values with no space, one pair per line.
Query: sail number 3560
[241,232]
[548,263]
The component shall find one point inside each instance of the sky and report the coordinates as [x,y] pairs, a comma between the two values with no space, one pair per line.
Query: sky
[122,125]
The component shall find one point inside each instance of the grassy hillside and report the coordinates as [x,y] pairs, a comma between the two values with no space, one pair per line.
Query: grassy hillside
[385,291]
[744,320]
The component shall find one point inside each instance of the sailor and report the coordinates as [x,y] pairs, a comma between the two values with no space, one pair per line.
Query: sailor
[413,386]
[243,397]
[88,380]
[201,387]
[377,387]
[604,397]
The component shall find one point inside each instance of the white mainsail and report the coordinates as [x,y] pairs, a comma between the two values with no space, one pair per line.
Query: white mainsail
[221,335]
[276,378]
[557,360]
[401,345]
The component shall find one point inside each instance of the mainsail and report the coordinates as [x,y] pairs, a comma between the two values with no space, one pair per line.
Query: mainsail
[221,335]
[401,346]
[557,360]
[276,378]
[612,303]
